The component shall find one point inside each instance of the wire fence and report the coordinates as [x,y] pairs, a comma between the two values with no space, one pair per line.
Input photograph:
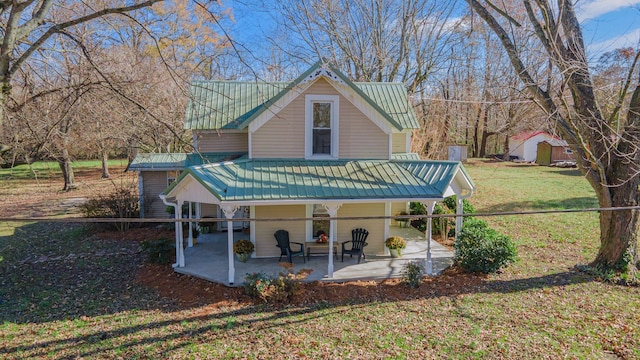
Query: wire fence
[384,217]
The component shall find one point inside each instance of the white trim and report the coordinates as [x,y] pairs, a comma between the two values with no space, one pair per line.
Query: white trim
[308,226]
[309,100]
[250,145]
[390,146]
[387,222]
[252,228]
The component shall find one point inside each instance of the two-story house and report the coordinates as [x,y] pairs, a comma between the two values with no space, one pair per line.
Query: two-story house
[319,147]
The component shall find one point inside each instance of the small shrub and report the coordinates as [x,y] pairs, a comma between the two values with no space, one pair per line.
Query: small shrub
[482,249]
[412,273]
[243,247]
[120,204]
[274,289]
[447,206]
[159,251]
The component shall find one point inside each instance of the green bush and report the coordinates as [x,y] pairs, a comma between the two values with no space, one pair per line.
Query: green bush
[122,203]
[274,289]
[447,206]
[412,273]
[480,248]
[159,251]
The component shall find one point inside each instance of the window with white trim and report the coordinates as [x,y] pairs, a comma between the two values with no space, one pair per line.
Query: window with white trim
[172,176]
[321,126]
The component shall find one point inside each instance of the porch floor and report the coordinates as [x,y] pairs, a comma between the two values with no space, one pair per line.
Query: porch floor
[208,260]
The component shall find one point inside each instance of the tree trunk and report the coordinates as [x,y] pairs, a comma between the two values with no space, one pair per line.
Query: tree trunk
[67,170]
[105,165]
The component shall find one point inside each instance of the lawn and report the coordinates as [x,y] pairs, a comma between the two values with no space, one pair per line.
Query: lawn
[68,292]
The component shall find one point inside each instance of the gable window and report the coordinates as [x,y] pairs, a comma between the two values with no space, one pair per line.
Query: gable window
[321,126]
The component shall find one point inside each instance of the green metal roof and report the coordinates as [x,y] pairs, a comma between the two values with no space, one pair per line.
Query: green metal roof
[234,104]
[287,179]
[159,162]
[405,156]
[177,161]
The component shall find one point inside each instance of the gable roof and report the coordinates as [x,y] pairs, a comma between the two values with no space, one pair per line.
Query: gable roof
[278,180]
[526,135]
[234,104]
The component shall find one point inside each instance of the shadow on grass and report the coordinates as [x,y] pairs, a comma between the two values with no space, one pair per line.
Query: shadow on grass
[56,271]
[240,322]
[562,204]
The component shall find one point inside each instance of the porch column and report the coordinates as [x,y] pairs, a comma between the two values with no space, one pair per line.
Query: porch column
[459,218]
[229,212]
[180,243]
[190,243]
[429,205]
[332,209]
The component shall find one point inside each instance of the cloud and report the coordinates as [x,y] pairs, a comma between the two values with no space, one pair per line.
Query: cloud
[629,39]
[591,9]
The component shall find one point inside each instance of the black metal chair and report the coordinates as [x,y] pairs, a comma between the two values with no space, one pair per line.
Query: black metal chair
[358,242]
[282,237]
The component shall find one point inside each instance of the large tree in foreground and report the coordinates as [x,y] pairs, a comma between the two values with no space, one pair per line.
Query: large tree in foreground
[606,145]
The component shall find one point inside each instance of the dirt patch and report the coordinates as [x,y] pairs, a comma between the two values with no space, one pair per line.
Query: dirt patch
[43,197]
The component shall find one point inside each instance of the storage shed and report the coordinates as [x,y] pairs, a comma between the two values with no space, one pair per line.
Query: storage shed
[524,146]
[548,153]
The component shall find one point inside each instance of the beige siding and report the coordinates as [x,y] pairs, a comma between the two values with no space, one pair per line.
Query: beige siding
[374,226]
[222,141]
[399,143]
[283,136]
[154,183]
[209,210]
[264,230]
[396,208]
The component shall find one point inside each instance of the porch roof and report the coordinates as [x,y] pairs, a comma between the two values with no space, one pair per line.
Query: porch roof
[283,180]
[177,161]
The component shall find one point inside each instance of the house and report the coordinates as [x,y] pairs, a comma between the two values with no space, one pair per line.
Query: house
[318,147]
[524,146]
[549,153]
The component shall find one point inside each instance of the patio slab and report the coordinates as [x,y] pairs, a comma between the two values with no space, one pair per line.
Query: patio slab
[208,260]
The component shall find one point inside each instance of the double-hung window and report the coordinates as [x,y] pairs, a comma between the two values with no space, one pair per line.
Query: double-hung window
[321,126]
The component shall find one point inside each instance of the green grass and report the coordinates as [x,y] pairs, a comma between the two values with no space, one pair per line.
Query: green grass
[51,169]
[537,308]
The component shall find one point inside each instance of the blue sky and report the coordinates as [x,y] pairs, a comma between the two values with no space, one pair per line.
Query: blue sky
[607,24]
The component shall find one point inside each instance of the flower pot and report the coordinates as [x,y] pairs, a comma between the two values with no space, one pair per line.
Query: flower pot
[395,253]
[243,257]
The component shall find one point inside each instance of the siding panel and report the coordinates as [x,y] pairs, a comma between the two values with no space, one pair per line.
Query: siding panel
[264,230]
[399,143]
[374,226]
[223,141]
[284,135]
[154,184]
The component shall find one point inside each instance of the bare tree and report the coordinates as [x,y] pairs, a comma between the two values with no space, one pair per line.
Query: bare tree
[607,148]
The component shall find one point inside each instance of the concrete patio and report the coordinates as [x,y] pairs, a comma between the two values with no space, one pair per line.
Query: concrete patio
[208,260]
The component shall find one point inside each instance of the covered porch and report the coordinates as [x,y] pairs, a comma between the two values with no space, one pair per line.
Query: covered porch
[208,259]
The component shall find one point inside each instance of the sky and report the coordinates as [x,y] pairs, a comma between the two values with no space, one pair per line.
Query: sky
[607,24]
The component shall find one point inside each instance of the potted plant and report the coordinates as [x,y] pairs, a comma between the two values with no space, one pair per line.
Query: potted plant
[403,222]
[395,244]
[242,249]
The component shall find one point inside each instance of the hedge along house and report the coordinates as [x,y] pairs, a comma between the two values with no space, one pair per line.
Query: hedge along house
[320,149]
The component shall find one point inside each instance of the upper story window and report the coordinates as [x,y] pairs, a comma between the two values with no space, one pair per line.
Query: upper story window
[321,126]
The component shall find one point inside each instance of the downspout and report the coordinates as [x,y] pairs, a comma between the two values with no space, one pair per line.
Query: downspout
[178,227]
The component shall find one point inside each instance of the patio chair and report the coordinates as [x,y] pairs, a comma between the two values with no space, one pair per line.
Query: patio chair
[358,242]
[282,237]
